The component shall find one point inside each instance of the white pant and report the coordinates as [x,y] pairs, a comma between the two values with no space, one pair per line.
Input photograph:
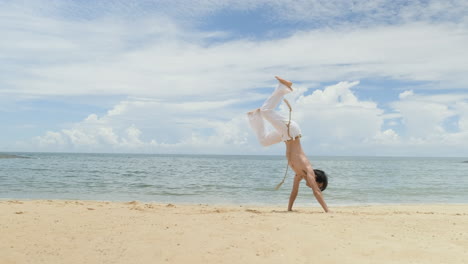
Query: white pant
[280,123]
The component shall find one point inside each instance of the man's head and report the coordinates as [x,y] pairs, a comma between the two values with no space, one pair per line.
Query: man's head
[321,179]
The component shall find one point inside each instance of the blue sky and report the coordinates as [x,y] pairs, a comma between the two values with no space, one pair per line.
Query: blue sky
[371,78]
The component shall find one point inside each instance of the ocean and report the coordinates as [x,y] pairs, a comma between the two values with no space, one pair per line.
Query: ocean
[219,179]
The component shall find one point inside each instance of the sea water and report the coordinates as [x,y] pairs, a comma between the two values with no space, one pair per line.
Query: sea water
[220,179]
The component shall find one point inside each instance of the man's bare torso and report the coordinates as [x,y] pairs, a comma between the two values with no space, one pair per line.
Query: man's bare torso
[297,159]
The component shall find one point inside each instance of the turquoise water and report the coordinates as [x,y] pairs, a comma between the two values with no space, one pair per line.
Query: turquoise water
[230,179]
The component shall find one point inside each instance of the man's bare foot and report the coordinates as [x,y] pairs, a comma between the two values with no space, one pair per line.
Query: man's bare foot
[283,81]
[253,111]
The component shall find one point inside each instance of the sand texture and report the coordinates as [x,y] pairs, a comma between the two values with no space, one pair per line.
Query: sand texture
[109,232]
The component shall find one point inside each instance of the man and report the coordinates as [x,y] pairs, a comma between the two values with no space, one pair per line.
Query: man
[288,131]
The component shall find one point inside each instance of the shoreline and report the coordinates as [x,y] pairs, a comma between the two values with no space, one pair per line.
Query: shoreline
[240,155]
[77,231]
[312,204]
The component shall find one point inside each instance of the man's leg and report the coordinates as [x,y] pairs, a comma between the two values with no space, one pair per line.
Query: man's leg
[268,111]
[265,138]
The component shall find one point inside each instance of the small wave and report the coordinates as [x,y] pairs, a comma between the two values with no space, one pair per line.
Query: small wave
[142,185]
[133,173]
[137,172]
[39,169]
[9,156]
[94,171]
[172,193]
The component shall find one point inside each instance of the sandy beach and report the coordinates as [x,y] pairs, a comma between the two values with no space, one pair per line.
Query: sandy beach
[110,232]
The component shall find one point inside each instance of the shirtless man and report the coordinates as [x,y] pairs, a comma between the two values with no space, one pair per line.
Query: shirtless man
[288,131]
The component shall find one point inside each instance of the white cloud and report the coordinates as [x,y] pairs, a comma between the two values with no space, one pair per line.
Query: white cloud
[406,94]
[334,12]
[327,116]
[334,121]
[424,120]
[462,108]
[160,58]
[328,12]
[424,115]
[153,126]
[336,116]
[51,138]
[180,83]
[387,137]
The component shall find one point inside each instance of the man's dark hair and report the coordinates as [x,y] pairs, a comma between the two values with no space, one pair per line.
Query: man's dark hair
[321,177]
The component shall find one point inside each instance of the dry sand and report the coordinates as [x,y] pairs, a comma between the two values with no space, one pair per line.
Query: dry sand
[109,232]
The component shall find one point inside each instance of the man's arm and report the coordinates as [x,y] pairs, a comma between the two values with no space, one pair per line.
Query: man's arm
[310,179]
[294,191]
